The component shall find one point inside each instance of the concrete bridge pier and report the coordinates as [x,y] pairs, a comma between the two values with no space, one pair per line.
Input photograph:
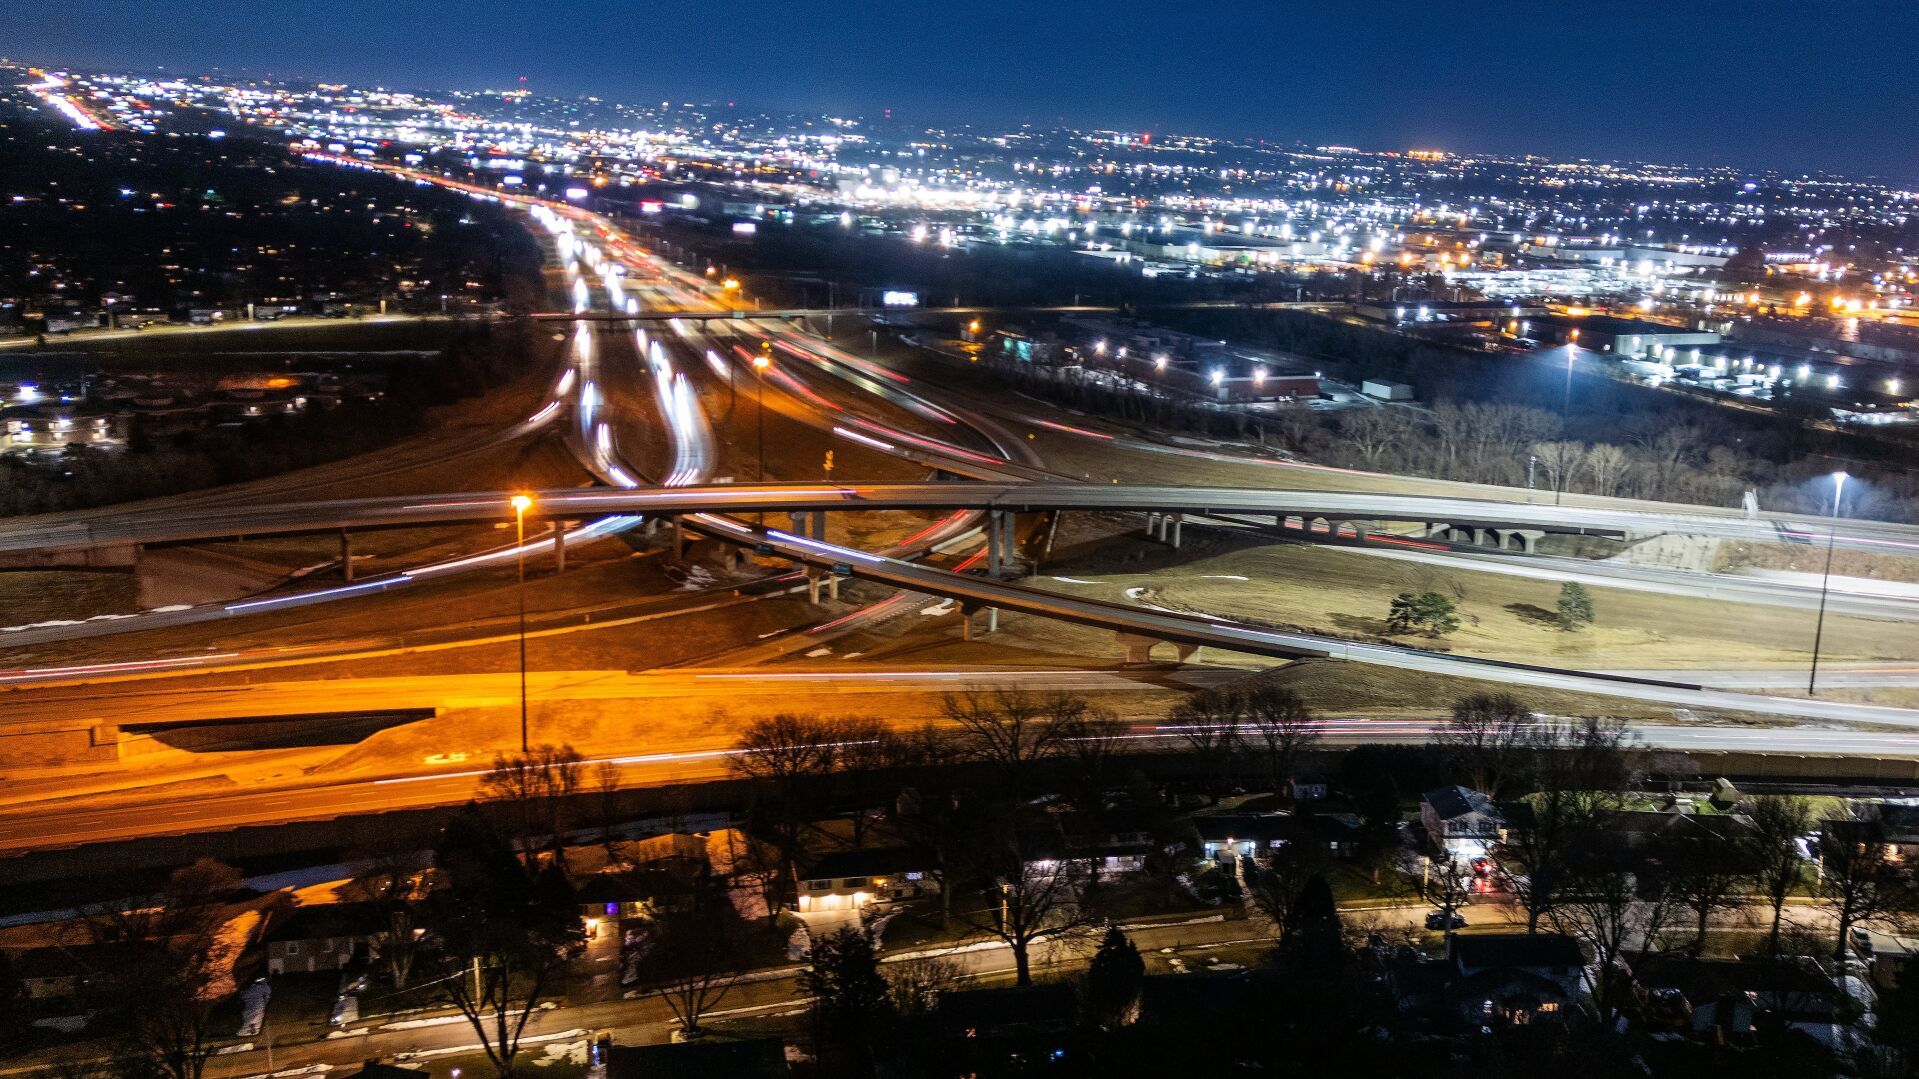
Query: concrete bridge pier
[1517,539]
[968,610]
[1165,527]
[346,556]
[559,547]
[1139,649]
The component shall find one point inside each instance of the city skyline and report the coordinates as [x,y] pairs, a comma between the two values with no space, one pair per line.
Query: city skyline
[1757,92]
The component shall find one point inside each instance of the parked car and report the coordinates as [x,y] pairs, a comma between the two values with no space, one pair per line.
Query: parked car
[1444,919]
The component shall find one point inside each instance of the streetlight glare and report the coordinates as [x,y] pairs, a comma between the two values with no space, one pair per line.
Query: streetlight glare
[522,503]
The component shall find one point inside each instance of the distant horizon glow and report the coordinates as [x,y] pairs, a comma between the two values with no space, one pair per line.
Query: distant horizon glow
[1495,78]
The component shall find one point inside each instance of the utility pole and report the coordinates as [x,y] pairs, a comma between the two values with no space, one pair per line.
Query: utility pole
[520,506]
[1832,537]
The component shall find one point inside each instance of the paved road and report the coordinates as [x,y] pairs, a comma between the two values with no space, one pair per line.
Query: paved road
[692,756]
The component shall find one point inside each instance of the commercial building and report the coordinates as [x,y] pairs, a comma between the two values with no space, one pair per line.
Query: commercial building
[1621,336]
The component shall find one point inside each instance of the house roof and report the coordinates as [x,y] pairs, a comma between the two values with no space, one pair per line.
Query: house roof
[1643,823]
[869,862]
[1704,979]
[319,921]
[1260,827]
[1901,822]
[1456,801]
[640,883]
[77,960]
[1486,950]
[1507,985]
[750,1058]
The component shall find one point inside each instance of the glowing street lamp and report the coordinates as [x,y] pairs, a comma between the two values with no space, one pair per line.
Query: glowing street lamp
[1832,536]
[521,503]
[760,363]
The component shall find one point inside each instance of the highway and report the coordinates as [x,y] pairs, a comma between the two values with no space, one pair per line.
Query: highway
[690,752]
[593,432]
[572,503]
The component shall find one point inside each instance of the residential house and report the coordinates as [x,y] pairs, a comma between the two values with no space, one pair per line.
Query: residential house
[322,936]
[1722,999]
[1642,830]
[637,891]
[1461,820]
[1261,836]
[849,879]
[1311,787]
[1114,842]
[66,973]
[1512,978]
[1894,960]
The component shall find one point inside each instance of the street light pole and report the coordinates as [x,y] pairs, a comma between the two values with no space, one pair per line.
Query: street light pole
[760,364]
[520,505]
[1832,537]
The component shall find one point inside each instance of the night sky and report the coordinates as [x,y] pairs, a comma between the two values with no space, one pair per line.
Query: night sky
[1805,84]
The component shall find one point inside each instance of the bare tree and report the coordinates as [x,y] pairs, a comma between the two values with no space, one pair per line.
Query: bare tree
[1013,730]
[605,784]
[1580,778]
[1089,745]
[1562,461]
[1707,872]
[934,811]
[535,789]
[1033,895]
[864,751]
[396,883]
[1608,909]
[1280,723]
[784,756]
[173,969]
[1778,823]
[1490,738]
[915,985]
[1284,884]
[1607,465]
[1860,881]
[498,931]
[1374,431]
[694,953]
[1445,886]
[1211,723]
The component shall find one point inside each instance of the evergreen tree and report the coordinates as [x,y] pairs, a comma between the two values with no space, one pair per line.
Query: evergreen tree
[1432,613]
[1113,980]
[1575,606]
[852,1003]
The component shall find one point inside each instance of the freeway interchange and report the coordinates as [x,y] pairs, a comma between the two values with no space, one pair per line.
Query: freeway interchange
[625,381]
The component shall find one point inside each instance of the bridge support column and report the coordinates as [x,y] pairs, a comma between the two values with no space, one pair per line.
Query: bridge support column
[1139,649]
[559,547]
[1171,527]
[967,611]
[1152,524]
[995,543]
[679,537]
[346,556]
[1529,539]
[1481,538]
